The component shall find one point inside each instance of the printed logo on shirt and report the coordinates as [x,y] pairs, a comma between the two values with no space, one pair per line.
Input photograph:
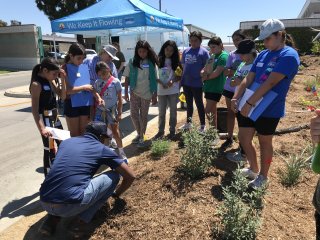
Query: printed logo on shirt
[46,87]
[145,65]
[268,70]
[190,59]
[260,64]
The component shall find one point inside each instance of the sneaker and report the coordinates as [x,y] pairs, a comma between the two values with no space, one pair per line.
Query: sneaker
[136,140]
[142,144]
[258,182]
[158,136]
[48,227]
[113,143]
[236,157]
[171,136]
[186,126]
[215,142]
[228,143]
[202,129]
[248,173]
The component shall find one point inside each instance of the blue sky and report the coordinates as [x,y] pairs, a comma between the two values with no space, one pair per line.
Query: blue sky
[220,17]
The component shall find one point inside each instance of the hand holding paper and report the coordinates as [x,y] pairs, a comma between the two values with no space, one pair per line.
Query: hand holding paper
[59,134]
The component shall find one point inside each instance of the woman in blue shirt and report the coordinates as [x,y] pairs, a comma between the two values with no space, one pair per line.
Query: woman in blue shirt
[273,70]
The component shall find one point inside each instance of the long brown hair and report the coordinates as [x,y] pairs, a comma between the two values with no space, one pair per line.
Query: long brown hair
[75,49]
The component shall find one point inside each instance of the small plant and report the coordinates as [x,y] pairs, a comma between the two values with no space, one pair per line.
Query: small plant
[240,211]
[159,148]
[293,170]
[315,48]
[199,153]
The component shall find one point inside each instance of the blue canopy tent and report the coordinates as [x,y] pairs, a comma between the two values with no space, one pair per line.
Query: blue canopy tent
[116,17]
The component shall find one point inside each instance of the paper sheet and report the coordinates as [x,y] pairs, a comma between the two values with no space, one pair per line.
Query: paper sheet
[247,94]
[58,133]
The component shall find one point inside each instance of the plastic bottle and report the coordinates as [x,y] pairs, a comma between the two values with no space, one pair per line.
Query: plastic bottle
[315,165]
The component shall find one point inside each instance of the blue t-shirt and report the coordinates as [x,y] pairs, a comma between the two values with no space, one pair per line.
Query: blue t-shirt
[194,60]
[285,61]
[77,160]
[110,95]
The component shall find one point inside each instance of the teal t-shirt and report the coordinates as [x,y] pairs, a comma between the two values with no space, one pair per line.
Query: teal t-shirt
[216,85]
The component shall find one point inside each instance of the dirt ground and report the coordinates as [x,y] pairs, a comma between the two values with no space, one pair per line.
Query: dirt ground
[164,204]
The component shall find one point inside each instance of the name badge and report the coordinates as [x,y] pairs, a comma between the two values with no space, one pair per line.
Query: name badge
[46,87]
[145,65]
[78,74]
[260,64]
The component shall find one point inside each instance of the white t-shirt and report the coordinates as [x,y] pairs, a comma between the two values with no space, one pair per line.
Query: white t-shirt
[165,75]
[242,71]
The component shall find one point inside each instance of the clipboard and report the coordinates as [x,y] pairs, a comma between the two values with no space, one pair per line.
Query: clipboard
[261,105]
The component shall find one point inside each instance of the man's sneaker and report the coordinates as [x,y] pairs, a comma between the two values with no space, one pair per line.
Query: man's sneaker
[186,126]
[258,182]
[236,157]
[158,136]
[122,153]
[113,143]
[48,227]
[248,173]
[202,129]
[228,143]
[136,140]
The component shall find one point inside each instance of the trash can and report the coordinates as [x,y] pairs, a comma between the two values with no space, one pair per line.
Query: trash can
[222,119]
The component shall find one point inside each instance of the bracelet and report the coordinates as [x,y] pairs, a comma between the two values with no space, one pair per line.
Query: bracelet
[252,105]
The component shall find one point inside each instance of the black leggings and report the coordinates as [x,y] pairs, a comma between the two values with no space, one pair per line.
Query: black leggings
[49,154]
[317,219]
[196,94]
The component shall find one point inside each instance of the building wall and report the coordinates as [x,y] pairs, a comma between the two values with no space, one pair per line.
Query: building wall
[19,47]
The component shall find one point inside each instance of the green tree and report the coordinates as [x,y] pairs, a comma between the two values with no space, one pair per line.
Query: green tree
[3,23]
[55,9]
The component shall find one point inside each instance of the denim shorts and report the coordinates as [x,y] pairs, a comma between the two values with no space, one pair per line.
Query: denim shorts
[108,116]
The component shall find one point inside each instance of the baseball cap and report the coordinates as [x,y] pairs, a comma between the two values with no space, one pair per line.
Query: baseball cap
[111,50]
[270,26]
[97,128]
[246,46]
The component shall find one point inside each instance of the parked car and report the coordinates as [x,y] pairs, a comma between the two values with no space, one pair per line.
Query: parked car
[90,53]
[54,54]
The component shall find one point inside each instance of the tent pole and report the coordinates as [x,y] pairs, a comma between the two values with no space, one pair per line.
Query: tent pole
[183,39]
[145,34]
[54,46]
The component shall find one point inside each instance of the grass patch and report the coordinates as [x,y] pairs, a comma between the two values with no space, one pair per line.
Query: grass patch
[4,71]
[160,148]
[291,173]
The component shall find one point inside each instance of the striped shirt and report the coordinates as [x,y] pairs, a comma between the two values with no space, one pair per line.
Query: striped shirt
[92,68]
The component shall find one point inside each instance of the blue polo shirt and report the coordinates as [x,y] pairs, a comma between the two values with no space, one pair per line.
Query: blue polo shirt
[77,160]
[285,61]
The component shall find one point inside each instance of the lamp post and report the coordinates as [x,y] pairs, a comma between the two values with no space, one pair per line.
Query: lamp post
[160,5]
[229,39]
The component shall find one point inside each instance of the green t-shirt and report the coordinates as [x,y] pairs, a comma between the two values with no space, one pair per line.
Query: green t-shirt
[216,85]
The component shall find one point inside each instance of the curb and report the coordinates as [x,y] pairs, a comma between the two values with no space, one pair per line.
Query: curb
[17,95]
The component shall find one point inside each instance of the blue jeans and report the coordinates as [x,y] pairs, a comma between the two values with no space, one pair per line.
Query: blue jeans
[95,196]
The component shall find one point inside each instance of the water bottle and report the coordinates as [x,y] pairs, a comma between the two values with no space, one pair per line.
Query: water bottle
[315,165]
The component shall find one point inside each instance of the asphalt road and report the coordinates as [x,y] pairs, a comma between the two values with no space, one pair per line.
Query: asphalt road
[14,79]
[21,151]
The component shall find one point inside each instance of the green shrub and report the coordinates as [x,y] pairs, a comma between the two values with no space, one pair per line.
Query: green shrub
[240,211]
[159,148]
[199,153]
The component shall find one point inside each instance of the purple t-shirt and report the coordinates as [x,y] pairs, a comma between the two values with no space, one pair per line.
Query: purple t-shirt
[194,60]
[233,63]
